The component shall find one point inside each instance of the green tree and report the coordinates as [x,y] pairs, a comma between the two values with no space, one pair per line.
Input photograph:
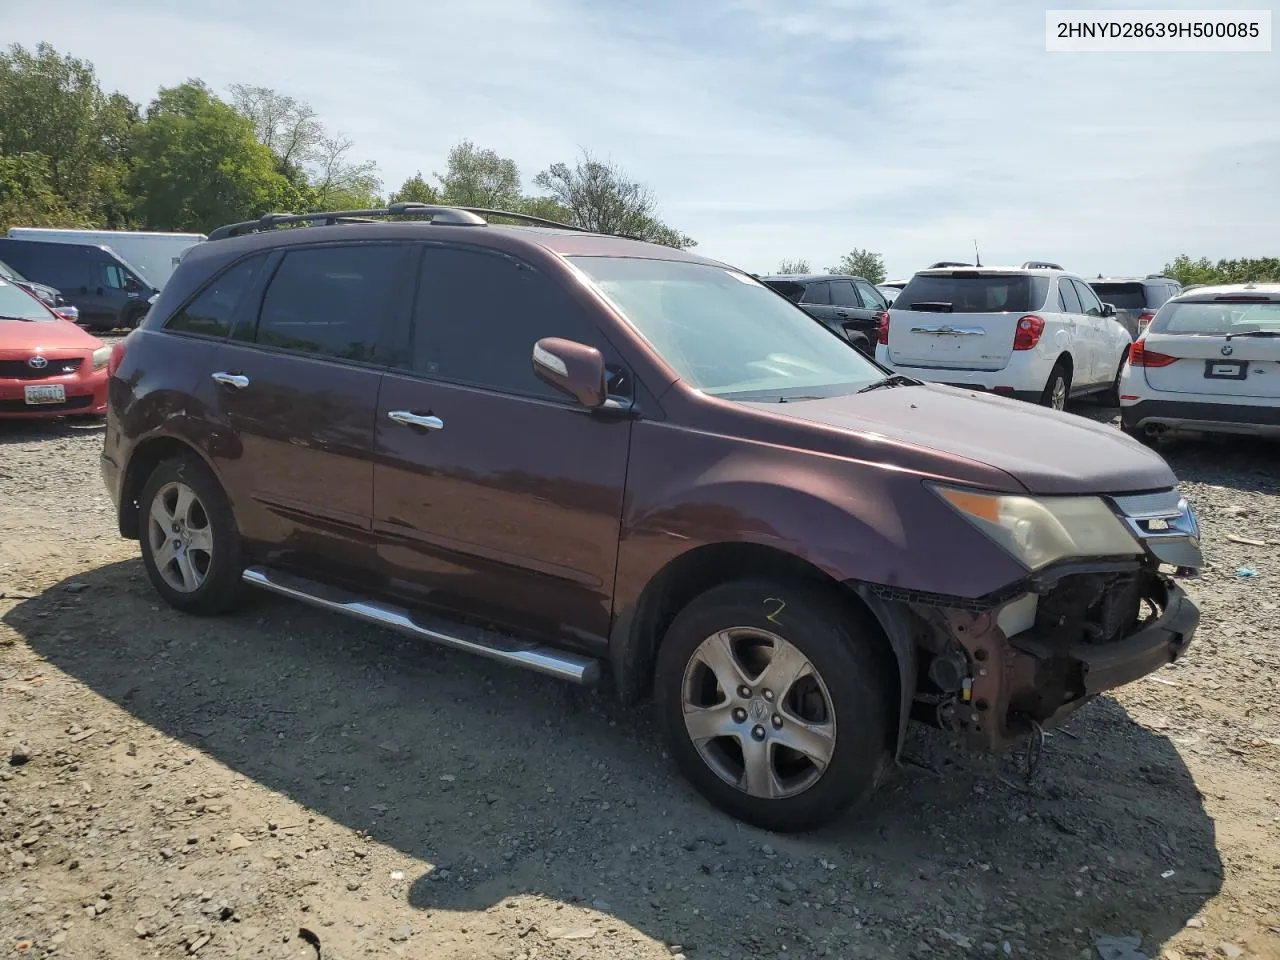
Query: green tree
[338,183]
[414,190]
[794,266]
[52,107]
[27,197]
[199,165]
[861,263]
[479,178]
[1187,271]
[600,197]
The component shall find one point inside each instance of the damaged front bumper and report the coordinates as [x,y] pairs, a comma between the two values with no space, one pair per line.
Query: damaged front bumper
[1042,675]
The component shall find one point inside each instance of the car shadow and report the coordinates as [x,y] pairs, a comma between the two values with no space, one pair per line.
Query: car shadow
[61,428]
[507,783]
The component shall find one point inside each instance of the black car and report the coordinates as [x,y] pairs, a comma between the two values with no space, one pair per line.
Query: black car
[105,289]
[850,305]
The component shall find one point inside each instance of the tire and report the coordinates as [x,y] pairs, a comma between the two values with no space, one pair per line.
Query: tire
[845,691]
[203,577]
[1111,396]
[1057,390]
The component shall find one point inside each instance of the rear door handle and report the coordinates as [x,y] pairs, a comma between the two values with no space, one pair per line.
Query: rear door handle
[409,419]
[231,380]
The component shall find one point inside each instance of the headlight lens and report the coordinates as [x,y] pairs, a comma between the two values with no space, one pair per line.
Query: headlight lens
[100,357]
[1038,531]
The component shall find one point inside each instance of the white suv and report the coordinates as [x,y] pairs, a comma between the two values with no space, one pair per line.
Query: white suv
[1032,332]
[1208,363]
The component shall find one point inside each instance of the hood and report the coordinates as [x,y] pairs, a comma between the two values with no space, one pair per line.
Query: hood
[1047,452]
[22,335]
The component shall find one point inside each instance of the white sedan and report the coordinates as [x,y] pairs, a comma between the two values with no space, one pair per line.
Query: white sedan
[1209,362]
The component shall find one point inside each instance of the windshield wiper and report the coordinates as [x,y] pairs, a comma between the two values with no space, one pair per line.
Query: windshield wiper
[893,380]
[22,319]
[1254,333]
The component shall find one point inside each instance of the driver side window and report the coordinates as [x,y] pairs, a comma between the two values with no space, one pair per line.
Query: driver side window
[114,277]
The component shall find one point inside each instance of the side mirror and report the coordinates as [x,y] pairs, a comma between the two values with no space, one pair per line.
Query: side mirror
[575,368]
[1108,310]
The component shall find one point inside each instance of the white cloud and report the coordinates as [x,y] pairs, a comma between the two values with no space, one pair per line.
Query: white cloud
[766,131]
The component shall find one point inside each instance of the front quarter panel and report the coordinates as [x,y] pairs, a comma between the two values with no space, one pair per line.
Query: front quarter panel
[855,519]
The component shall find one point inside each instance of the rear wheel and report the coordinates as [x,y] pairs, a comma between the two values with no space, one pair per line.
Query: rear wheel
[1111,396]
[190,542]
[775,702]
[1058,388]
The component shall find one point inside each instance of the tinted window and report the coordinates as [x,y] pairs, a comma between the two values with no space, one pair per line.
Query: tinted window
[843,295]
[479,314]
[1123,296]
[333,301]
[817,294]
[1092,306]
[9,273]
[788,288]
[969,291]
[1068,300]
[212,312]
[871,297]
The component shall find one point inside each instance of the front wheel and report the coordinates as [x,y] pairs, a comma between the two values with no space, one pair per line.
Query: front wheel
[776,702]
[190,542]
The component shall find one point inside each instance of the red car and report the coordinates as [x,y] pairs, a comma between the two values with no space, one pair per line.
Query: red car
[49,367]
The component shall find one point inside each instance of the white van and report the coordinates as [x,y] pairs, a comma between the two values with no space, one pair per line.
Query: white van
[155,255]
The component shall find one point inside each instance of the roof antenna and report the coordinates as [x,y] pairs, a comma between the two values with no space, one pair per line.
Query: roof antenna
[977,257]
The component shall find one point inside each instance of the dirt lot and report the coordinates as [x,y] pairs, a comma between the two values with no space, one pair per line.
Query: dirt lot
[286,784]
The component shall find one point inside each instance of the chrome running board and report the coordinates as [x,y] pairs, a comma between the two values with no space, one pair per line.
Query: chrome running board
[478,640]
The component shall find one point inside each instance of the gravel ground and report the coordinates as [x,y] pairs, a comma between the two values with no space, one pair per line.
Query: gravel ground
[282,783]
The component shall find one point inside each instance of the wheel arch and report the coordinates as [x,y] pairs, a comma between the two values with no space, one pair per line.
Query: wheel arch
[144,459]
[638,632]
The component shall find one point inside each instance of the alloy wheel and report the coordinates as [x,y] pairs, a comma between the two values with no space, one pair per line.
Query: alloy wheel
[758,713]
[180,537]
[1058,399]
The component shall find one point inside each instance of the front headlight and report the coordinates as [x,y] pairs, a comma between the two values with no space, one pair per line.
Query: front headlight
[1038,531]
[100,357]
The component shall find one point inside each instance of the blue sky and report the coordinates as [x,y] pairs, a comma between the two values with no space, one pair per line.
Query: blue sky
[767,129]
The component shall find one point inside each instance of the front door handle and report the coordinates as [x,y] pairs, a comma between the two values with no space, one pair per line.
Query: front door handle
[231,380]
[410,419]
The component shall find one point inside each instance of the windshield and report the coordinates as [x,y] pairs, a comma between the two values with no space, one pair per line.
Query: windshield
[1218,318]
[1122,296]
[968,291]
[17,304]
[727,334]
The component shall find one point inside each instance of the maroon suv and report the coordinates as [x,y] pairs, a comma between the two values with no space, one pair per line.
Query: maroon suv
[571,452]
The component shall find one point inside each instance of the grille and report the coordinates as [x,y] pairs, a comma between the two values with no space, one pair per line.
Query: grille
[21,406]
[20,370]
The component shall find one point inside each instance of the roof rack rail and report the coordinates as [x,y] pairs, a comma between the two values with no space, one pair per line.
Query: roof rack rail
[1157,276]
[1040,265]
[437,214]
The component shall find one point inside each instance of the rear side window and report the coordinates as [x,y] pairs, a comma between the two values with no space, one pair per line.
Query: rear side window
[1124,296]
[817,294]
[788,288]
[334,301]
[1219,317]
[1068,300]
[478,315]
[211,313]
[969,291]
[843,294]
